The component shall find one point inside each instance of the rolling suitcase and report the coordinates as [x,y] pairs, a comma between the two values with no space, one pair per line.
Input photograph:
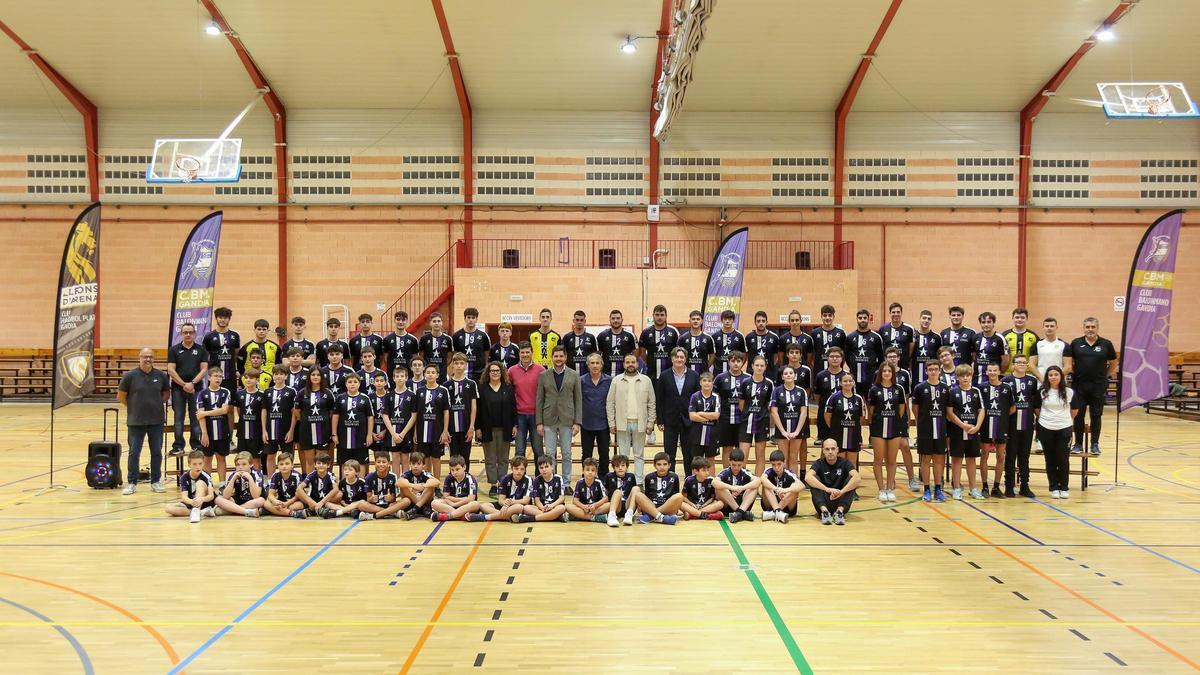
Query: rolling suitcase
[104,456]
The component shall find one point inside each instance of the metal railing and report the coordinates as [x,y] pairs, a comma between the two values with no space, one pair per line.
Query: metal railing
[429,290]
[673,254]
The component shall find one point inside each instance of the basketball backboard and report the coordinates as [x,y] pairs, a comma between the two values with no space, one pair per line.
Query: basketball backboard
[1156,100]
[195,160]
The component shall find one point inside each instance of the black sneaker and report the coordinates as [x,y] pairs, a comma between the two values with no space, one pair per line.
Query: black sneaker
[175,452]
[327,512]
[492,492]
[1027,493]
[996,491]
[1010,492]
[567,491]
[476,517]
[412,514]
[748,515]
[735,517]
[301,514]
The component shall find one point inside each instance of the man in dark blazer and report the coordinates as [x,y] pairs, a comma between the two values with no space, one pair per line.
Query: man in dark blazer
[559,409]
[673,392]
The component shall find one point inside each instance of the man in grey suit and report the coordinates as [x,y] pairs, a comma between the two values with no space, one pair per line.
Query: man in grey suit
[559,410]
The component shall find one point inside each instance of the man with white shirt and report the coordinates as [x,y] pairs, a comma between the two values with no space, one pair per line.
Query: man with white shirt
[1050,351]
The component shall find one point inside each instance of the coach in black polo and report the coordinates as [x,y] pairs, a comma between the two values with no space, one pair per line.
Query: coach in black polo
[1093,361]
[187,366]
[143,391]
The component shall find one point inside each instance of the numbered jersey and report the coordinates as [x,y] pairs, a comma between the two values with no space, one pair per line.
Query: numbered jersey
[250,407]
[658,343]
[724,345]
[699,348]
[578,348]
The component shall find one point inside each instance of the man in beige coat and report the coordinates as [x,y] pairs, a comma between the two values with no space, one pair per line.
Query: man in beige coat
[559,410]
[631,412]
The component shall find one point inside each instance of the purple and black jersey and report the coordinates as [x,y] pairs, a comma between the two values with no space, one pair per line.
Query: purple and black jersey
[864,353]
[588,494]
[379,410]
[296,380]
[804,376]
[703,434]
[462,393]
[756,397]
[729,387]
[187,484]
[222,351]
[242,491]
[514,489]
[400,351]
[277,406]
[725,344]
[318,486]
[250,407]
[546,491]
[360,342]
[658,344]
[823,341]
[1026,399]
[578,348]
[353,492]
[845,423]
[997,402]
[925,348]
[660,488]
[217,426]
[380,487]
[323,350]
[788,339]
[316,416]
[398,407]
[961,340]
[436,350]
[613,347]
[966,404]
[284,487]
[886,404]
[739,478]
[696,492]
[898,337]
[507,354]
[416,479]
[988,350]
[307,347]
[765,345]
[366,380]
[781,479]
[335,378]
[354,412]
[699,348]
[792,407]
[930,402]
[626,483]
[429,405]
[452,487]
[475,345]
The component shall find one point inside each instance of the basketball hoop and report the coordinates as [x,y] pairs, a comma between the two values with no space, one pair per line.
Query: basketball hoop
[188,166]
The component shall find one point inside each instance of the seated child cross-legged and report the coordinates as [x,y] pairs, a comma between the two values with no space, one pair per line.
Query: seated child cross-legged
[350,497]
[513,493]
[660,498]
[460,494]
[700,502]
[195,490]
[243,495]
[318,487]
[418,486]
[284,488]
[589,501]
[383,498]
[780,489]
[622,488]
[547,496]
[737,488]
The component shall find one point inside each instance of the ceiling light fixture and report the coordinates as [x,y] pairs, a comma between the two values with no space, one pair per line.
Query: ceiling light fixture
[629,46]
[1106,35]
[212,28]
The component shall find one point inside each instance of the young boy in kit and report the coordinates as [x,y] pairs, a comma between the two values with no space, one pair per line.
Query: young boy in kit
[383,498]
[195,489]
[418,486]
[660,497]
[700,499]
[283,490]
[243,495]
[295,370]
[368,372]
[351,496]
[547,495]
[966,417]
[513,493]
[622,488]
[332,327]
[377,394]
[737,488]
[460,494]
[398,420]
[308,349]
[929,402]
[589,501]
[354,419]
[318,487]
[212,410]
[780,490]
[704,410]
[336,372]
[431,404]
[279,426]
[249,405]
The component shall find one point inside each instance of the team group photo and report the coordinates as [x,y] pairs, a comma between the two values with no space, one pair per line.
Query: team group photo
[737,336]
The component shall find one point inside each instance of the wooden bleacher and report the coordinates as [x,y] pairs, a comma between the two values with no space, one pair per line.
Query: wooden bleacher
[1184,371]
[25,374]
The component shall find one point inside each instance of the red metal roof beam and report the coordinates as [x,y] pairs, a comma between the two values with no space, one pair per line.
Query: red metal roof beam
[664,32]
[468,123]
[91,117]
[843,113]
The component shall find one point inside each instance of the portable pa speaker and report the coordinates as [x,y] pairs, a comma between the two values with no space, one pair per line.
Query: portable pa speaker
[103,469]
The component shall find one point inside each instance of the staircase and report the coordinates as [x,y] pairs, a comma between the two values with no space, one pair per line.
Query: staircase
[434,287]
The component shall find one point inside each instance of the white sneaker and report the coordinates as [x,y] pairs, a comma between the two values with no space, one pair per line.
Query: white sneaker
[891,495]
[629,517]
[1054,494]
[1064,494]
[613,521]
[781,516]
[208,512]
[914,483]
[976,494]
[130,488]
[195,518]
[157,487]
[957,494]
[768,515]
[251,513]
[883,496]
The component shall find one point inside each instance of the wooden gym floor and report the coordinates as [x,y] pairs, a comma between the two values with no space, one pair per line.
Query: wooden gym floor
[92,581]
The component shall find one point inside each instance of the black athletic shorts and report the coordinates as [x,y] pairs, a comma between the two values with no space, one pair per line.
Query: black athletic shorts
[703,451]
[276,447]
[753,435]
[962,447]
[728,434]
[218,446]
[360,455]
[434,449]
[254,446]
[1001,436]
[929,446]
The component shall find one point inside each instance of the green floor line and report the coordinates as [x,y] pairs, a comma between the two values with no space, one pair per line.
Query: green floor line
[780,627]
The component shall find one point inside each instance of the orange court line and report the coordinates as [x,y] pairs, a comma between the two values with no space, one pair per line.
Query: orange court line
[1078,596]
[158,637]
[437,613]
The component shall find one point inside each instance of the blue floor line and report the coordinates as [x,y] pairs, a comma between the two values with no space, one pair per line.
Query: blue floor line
[1117,536]
[1011,527]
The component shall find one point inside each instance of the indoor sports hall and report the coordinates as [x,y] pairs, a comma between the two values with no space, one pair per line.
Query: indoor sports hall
[845,332]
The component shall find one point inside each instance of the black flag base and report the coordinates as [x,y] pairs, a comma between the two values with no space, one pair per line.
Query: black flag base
[1117,482]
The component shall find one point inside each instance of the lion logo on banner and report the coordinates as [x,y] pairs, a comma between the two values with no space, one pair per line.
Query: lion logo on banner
[79,253]
[76,367]
[1160,248]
